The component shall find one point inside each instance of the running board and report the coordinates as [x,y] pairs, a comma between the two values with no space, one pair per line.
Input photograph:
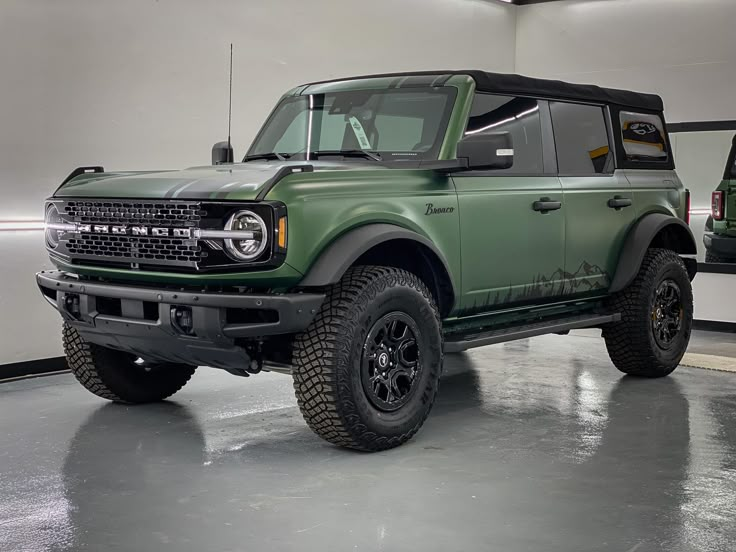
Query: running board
[455,344]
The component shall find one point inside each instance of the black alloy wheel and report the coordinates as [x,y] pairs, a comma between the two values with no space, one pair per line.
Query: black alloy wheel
[667,314]
[391,361]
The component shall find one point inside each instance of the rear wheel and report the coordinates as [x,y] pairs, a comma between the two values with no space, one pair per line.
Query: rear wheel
[121,377]
[656,317]
[366,371]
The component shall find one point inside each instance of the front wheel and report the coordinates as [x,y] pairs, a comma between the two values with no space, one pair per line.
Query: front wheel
[118,376]
[656,317]
[367,369]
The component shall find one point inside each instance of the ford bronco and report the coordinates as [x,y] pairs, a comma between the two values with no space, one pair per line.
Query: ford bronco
[375,224]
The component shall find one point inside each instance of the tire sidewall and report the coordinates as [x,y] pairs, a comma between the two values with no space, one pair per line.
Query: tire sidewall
[390,297]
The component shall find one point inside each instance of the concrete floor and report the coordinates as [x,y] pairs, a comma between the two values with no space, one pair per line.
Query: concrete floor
[537,445]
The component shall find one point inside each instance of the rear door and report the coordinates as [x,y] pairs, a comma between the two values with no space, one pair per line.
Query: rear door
[511,253]
[598,200]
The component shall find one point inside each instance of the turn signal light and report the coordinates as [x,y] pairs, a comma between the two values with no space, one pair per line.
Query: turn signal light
[282,233]
[716,205]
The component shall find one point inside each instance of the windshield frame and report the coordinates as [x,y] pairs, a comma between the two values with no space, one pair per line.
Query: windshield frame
[387,156]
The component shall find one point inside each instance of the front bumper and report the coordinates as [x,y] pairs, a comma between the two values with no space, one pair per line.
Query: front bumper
[143,321]
[724,246]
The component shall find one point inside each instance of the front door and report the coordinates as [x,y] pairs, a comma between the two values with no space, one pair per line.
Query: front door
[512,221]
[598,201]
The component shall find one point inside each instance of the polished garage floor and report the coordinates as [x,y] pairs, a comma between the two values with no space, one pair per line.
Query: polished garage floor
[538,445]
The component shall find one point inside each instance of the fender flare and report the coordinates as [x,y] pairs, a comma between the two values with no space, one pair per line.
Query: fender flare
[638,241]
[336,258]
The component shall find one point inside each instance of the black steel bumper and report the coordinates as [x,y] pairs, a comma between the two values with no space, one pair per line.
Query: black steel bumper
[724,246]
[143,321]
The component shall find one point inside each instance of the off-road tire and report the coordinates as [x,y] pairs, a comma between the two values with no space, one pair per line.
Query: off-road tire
[631,343]
[114,375]
[713,258]
[327,359]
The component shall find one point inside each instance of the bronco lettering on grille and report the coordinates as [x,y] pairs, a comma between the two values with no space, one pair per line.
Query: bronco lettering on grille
[136,230]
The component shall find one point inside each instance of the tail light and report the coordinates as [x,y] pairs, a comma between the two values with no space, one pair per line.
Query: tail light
[687,207]
[717,205]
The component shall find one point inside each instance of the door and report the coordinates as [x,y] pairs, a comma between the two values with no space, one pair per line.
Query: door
[598,199]
[512,220]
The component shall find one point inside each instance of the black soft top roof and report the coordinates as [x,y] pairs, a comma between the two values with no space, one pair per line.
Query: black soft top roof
[505,83]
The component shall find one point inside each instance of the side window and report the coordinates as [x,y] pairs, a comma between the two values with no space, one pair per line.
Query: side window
[643,137]
[518,116]
[581,139]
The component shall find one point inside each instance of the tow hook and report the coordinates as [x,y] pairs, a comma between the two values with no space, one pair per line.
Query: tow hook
[181,319]
[256,357]
[71,305]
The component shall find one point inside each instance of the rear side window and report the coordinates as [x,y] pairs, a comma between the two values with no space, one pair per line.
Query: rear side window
[643,138]
[581,138]
[517,116]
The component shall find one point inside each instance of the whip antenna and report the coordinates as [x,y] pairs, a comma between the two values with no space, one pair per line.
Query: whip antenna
[230,104]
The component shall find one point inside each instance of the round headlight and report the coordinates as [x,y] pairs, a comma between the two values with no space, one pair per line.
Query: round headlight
[246,249]
[52,234]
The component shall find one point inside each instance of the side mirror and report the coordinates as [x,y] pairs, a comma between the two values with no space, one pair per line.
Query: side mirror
[222,152]
[487,151]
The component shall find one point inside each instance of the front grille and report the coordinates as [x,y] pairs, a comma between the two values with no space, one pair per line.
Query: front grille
[109,235]
[170,214]
[148,250]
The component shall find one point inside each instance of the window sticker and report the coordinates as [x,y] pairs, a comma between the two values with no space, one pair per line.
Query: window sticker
[360,133]
[643,136]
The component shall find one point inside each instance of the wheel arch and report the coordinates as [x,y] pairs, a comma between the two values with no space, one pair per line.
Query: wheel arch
[653,230]
[389,245]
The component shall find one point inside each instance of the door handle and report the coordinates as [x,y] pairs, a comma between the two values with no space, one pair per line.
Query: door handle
[545,205]
[619,202]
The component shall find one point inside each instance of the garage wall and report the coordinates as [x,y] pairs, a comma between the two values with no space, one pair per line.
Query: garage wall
[143,85]
[680,49]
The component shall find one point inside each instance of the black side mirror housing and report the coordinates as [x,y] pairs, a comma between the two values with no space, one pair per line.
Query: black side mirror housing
[222,152]
[489,151]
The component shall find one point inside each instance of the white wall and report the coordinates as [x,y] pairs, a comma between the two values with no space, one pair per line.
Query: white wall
[142,84]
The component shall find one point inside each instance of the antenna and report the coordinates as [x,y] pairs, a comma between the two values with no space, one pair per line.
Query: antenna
[230,106]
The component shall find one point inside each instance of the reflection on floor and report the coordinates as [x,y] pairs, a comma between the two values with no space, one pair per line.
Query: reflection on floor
[532,445]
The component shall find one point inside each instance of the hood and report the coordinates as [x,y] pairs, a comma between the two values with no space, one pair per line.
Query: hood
[240,181]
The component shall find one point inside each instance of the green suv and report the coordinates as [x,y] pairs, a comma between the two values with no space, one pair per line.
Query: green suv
[720,229]
[375,224]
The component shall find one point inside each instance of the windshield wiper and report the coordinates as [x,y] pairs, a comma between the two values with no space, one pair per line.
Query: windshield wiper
[372,155]
[269,155]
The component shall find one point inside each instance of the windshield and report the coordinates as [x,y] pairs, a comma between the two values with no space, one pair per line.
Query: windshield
[394,124]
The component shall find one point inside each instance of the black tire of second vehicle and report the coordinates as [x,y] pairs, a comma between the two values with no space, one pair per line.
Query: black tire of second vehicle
[631,343]
[327,359]
[114,375]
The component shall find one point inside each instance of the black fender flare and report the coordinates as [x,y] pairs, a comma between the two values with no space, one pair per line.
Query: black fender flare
[340,255]
[639,239]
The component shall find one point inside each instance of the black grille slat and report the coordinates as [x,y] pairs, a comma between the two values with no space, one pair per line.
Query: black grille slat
[173,215]
[128,248]
[136,248]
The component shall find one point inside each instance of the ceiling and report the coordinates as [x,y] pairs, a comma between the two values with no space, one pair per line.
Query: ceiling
[527,2]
